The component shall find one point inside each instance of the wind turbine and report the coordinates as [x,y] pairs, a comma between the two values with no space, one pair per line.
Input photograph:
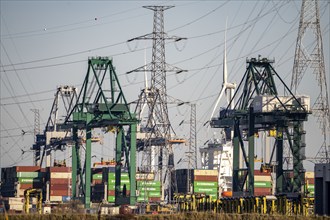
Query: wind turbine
[227,88]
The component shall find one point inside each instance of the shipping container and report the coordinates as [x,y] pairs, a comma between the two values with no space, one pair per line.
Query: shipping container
[60,181]
[59,187]
[205,190]
[26,169]
[309,175]
[29,174]
[145,176]
[148,183]
[262,184]
[205,184]
[29,180]
[111,198]
[262,178]
[56,198]
[30,185]
[60,175]
[60,193]
[59,169]
[149,188]
[205,172]
[206,178]
[262,190]
[97,176]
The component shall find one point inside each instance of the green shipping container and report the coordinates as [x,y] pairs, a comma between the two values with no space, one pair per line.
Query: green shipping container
[28,180]
[122,182]
[150,194]
[205,184]
[29,174]
[97,176]
[262,184]
[111,198]
[310,187]
[112,187]
[142,199]
[148,183]
[148,189]
[122,176]
[205,190]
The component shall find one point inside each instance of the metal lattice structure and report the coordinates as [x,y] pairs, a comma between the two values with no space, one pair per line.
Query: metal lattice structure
[157,130]
[36,131]
[259,107]
[309,55]
[101,103]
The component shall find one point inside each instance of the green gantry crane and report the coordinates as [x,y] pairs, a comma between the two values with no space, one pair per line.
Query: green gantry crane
[259,107]
[101,103]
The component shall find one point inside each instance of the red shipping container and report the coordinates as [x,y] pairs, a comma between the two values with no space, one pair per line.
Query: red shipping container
[310,180]
[59,169]
[262,193]
[60,181]
[60,192]
[96,182]
[59,187]
[206,178]
[111,192]
[259,173]
[154,199]
[27,168]
[31,185]
[262,190]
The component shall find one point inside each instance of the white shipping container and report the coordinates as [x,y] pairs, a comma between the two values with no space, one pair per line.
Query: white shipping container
[145,176]
[309,175]
[263,178]
[206,172]
[60,175]
[15,201]
[55,198]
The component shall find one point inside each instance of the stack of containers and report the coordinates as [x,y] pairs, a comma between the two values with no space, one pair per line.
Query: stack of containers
[15,180]
[97,185]
[206,182]
[59,183]
[109,176]
[124,180]
[309,183]
[262,183]
[148,190]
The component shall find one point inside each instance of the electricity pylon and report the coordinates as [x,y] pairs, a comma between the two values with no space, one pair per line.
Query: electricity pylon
[309,55]
[156,141]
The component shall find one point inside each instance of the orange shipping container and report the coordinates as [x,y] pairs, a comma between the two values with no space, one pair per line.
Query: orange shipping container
[27,168]
[60,181]
[59,169]
[60,192]
[30,185]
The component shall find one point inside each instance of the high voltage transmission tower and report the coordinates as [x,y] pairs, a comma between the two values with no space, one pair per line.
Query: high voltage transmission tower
[36,130]
[309,55]
[156,142]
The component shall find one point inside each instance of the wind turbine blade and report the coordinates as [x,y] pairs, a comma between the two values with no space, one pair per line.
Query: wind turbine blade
[225,58]
[217,102]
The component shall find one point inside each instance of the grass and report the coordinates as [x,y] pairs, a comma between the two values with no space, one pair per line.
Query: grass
[178,216]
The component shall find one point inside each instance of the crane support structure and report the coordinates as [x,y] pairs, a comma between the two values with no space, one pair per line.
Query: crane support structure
[259,107]
[101,103]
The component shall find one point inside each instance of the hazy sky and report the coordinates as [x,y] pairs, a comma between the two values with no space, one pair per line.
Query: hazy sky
[45,44]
